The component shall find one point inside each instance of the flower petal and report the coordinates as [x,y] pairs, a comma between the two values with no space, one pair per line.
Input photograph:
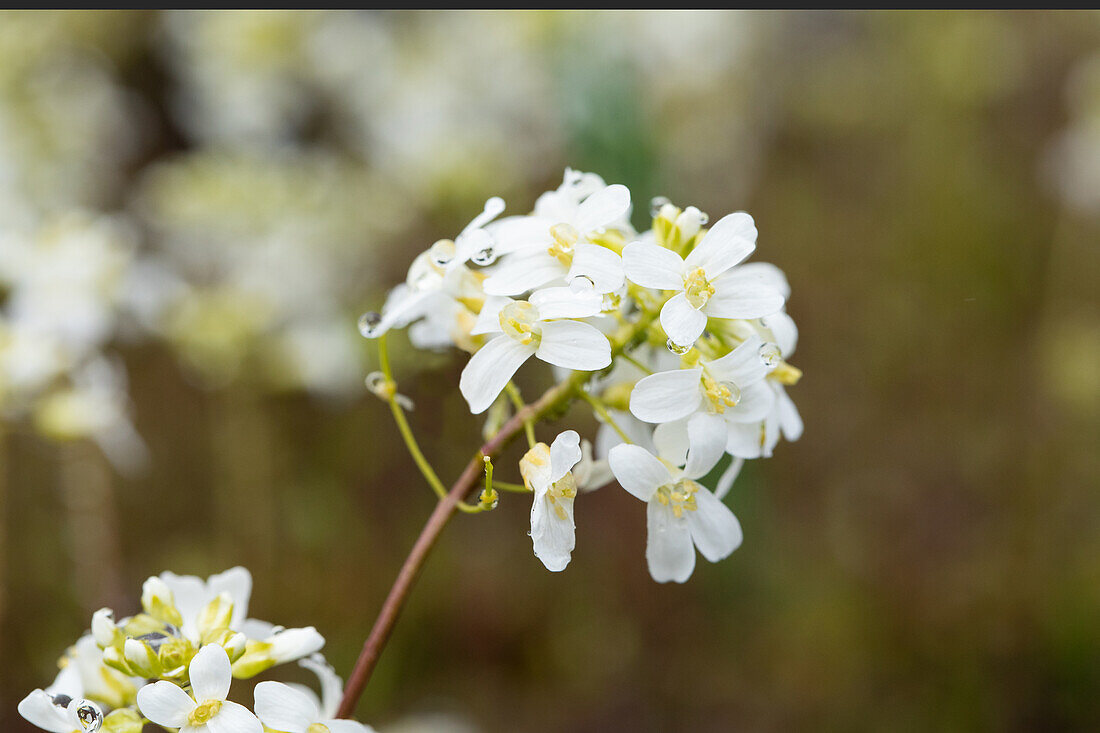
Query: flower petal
[237,582]
[165,704]
[488,320]
[553,535]
[234,718]
[714,529]
[668,549]
[707,438]
[38,709]
[667,396]
[784,332]
[490,369]
[737,296]
[755,404]
[682,323]
[290,644]
[637,470]
[729,241]
[522,271]
[725,482]
[574,345]
[210,673]
[602,208]
[565,452]
[769,274]
[516,233]
[346,726]
[744,440]
[790,422]
[600,265]
[653,266]
[281,707]
[565,302]
[743,366]
[671,441]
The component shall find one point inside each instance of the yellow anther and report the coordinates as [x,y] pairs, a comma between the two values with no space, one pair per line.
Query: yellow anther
[519,320]
[317,728]
[720,395]
[202,714]
[786,374]
[697,289]
[565,240]
[679,497]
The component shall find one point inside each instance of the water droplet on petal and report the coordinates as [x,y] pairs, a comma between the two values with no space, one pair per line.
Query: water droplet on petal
[676,348]
[89,715]
[581,284]
[484,256]
[656,204]
[734,392]
[442,252]
[770,355]
[62,701]
[369,323]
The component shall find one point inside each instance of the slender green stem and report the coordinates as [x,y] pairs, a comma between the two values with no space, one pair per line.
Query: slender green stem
[601,410]
[635,362]
[508,486]
[517,400]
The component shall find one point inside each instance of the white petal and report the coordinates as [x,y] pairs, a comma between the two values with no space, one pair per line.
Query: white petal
[237,582]
[736,296]
[682,323]
[744,440]
[600,265]
[653,266]
[784,332]
[403,306]
[714,529]
[728,242]
[671,441]
[234,718]
[346,726]
[565,302]
[332,687]
[755,404]
[790,422]
[210,673]
[667,396]
[283,708]
[768,274]
[190,596]
[516,233]
[165,704]
[707,437]
[290,644]
[574,345]
[490,369]
[743,366]
[254,628]
[565,452]
[553,537]
[602,208]
[668,549]
[725,482]
[522,271]
[488,320]
[637,470]
[38,709]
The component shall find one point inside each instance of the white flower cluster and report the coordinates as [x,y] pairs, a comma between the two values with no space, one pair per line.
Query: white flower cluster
[678,346]
[173,665]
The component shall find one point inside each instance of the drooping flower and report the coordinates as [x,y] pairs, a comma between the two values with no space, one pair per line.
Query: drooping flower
[206,709]
[547,472]
[706,282]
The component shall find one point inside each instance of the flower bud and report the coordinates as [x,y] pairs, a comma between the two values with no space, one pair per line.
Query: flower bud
[104,629]
[142,658]
[158,601]
[123,720]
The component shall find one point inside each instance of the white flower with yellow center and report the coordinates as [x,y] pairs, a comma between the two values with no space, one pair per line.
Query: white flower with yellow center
[723,394]
[288,710]
[61,714]
[547,472]
[206,709]
[681,514]
[706,283]
[539,327]
[544,250]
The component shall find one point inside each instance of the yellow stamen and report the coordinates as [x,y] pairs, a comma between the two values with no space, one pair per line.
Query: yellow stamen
[680,496]
[565,240]
[697,289]
[720,394]
[202,714]
[786,374]
[519,320]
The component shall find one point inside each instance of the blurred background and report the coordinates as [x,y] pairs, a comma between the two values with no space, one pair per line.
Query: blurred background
[195,208]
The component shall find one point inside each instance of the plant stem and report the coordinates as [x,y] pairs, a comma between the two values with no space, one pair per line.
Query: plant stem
[444,510]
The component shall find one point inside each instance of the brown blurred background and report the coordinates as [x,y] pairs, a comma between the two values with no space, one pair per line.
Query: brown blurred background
[927,557]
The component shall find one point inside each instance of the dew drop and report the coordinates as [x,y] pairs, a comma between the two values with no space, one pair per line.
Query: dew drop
[442,252]
[734,391]
[675,348]
[61,701]
[484,256]
[769,354]
[369,323]
[656,204]
[581,284]
[89,715]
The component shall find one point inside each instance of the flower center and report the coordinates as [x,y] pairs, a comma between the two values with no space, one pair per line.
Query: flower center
[697,289]
[565,240]
[680,496]
[720,395]
[317,728]
[520,321]
[202,714]
[563,488]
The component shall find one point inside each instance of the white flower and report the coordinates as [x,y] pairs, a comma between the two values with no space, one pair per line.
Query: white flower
[529,330]
[283,708]
[727,393]
[192,595]
[269,645]
[680,513]
[85,675]
[706,282]
[544,249]
[75,716]
[166,704]
[547,472]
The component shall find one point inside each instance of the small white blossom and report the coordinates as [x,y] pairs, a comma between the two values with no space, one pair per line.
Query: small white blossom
[547,471]
[288,710]
[206,709]
[75,716]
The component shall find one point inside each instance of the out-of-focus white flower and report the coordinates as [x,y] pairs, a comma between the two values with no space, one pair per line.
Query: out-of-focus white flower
[706,282]
[283,708]
[207,707]
[547,472]
[74,716]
